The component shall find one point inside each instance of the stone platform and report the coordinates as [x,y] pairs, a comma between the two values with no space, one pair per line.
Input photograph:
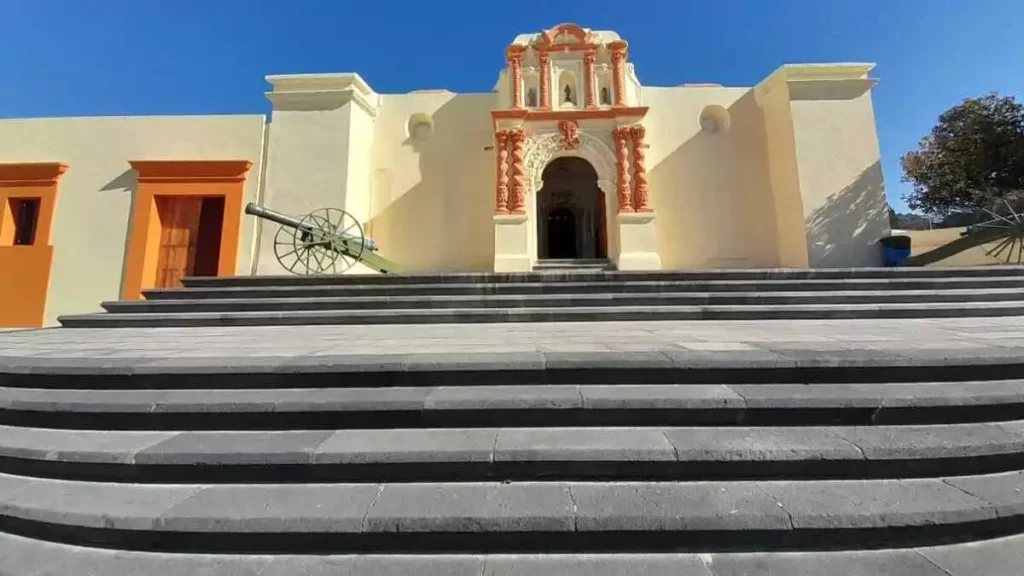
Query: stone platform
[709,447]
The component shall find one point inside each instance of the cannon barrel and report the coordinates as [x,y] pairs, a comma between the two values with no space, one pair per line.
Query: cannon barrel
[286,220]
[272,215]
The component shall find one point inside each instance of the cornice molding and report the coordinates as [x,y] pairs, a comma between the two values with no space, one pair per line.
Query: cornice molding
[547,115]
[31,173]
[322,91]
[806,79]
[191,170]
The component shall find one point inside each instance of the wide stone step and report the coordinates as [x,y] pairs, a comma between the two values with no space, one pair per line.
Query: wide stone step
[494,517]
[994,557]
[577,314]
[579,275]
[238,367]
[180,305]
[506,454]
[236,288]
[515,406]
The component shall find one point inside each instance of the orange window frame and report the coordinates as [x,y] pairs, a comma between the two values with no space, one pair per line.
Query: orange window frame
[156,178]
[25,270]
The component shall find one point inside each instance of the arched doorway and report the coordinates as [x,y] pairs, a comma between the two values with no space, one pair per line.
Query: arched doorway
[571,217]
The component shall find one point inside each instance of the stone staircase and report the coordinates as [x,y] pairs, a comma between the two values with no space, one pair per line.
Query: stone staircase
[853,447]
[584,291]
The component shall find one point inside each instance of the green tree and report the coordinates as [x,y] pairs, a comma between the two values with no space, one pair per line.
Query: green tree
[973,158]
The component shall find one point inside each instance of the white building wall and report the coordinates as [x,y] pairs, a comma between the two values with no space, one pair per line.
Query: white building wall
[94,202]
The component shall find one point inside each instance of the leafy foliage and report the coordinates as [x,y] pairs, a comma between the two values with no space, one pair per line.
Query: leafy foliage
[973,158]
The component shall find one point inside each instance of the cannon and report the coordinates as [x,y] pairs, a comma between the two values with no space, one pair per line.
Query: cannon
[324,241]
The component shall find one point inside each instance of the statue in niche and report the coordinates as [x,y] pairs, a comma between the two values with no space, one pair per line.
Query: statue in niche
[531,98]
[606,96]
[569,95]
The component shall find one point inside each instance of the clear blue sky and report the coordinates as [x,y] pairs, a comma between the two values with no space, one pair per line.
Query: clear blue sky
[129,57]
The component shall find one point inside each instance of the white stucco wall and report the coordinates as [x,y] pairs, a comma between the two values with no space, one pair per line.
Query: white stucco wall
[433,198]
[711,191]
[90,225]
[839,163]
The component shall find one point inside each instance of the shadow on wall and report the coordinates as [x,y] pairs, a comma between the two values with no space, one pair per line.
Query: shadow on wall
[846,229]
[444,221]
[713,194]
[127,181]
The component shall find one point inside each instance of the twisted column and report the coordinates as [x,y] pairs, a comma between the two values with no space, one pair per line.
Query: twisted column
[517,198]
[514,54]
[641,202]
[501,201]
[588,77]
[618,49]
[621,134]
[545,79]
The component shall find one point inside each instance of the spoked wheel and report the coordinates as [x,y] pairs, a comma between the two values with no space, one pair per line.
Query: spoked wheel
[327,241]
[1008,248]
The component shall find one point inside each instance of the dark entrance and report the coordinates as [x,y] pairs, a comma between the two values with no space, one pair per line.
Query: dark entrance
[562,234]
[570,212]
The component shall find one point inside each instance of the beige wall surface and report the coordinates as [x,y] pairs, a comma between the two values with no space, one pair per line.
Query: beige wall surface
[433,196]
[922,241]
[95,194]
[840,168]
[711,190]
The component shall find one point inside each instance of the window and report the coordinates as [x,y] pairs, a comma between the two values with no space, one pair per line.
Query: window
[606,96]
[25,217]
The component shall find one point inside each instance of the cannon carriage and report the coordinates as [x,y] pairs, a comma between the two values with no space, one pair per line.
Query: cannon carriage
[324,241]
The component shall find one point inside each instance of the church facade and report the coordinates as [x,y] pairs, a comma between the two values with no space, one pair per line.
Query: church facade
[569,157]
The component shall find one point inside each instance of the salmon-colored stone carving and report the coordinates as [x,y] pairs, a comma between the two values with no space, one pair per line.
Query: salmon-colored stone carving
[588,73]
[501,202]
[514,54]
[641,201]
[618,50]
[545,79]
[570,134]
[517,198]
[621,135]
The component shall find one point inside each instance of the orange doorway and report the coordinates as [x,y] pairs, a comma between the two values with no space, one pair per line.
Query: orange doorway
[190,235]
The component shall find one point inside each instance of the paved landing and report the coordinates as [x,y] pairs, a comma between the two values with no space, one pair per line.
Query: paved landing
[968,337]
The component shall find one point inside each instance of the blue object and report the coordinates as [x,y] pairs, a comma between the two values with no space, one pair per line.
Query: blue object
[895,256]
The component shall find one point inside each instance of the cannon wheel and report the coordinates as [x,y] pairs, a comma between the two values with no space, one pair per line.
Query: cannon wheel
[1009,248]
[312,248]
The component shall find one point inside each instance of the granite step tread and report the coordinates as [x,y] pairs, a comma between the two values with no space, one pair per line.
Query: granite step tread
[557,314]
[515,405]
[637,453]
[516,516]
[335,367]
[706,274]
[994,557]
[260,286]
[535,300]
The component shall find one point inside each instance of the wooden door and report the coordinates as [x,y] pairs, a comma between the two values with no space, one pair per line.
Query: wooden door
[179,237]
[602,225]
